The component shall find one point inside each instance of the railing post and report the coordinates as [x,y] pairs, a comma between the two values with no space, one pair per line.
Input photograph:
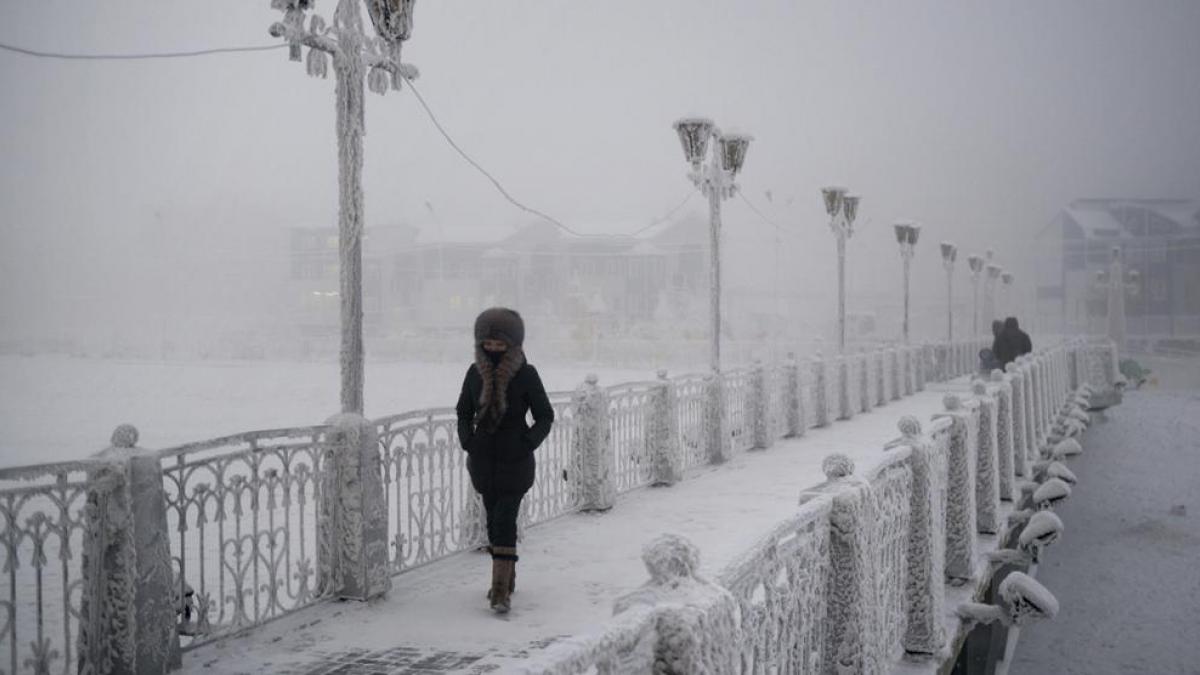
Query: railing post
[989,437]
[761,437]
[894,363]
[1010,461]
[925,586]
[663,433]
[592,451]
[864,382]
[845,412]
[961,525]
[1016,380]
[851,641]
[127,620]
[793,399]
[908,370]
[352,516]
[881,393]
[988,491]
[921,356]
[820,392]
[716,420]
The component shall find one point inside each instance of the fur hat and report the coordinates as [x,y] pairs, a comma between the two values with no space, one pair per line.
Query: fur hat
[500,323]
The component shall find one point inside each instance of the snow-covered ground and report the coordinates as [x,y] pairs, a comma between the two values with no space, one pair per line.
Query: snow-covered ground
[56,408]
[1125,570]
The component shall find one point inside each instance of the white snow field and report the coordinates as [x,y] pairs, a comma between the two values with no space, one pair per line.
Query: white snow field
[58,408]
[571,569]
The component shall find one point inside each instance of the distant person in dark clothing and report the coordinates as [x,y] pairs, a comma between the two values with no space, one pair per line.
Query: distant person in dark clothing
[997,334]
[1023,344]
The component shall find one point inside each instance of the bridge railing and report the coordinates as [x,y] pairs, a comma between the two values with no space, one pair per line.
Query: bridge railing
[240,529]
[858,577]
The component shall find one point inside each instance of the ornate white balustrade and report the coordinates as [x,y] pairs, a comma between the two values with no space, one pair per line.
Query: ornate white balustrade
[247,528]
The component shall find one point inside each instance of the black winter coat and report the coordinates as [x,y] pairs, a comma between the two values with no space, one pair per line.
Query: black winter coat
[502,461]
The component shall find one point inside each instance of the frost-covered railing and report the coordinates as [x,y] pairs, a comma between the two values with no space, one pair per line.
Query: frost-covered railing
[45,509]
[229,533]
[242,515]
[857,578]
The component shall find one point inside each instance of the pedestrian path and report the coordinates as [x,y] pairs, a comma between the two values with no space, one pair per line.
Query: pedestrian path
[436,619]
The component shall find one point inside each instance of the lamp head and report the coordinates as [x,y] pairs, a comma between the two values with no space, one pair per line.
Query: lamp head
[732,148]
[833,199]
[850,207]
[392,18]
[1007,278]
[949,252]
[694,133]
[975,263]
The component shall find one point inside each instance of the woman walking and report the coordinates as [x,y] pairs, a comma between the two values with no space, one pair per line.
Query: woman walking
[498,392]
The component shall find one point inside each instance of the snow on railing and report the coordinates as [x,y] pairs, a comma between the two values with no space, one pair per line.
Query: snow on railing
[243,515]
[856,578]
[244,540]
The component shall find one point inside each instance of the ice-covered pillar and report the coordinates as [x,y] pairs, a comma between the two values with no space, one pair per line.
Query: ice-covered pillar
[1031,439]
[845,410]
[961,532]
[881,396]
[924,355]
[910,368]
[352,514]
[760,427]
[716,420]
[925,583]
[852,636]
[697,628]
[1073,368]
[1017,384]
[989,440]
[793,398]
[592,450]
[663,433]
[127,622]
[1035,379]
[1011,460]
[820,392]
[894,368]
[864,382]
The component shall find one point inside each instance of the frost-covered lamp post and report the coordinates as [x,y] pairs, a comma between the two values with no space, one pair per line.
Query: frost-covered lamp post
[975,263]
[907,233]
[842,209]
[356,57]
[949,255]
[1116,282]
[716,181]
[1006,304]
[989,292]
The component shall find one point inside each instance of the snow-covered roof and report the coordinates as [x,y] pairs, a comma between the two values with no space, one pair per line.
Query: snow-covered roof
[1108,218]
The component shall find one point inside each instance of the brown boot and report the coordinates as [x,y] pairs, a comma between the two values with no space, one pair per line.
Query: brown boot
[504,559]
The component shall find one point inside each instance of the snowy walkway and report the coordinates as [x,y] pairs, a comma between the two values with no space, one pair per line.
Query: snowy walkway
[1126,570]
[436,618]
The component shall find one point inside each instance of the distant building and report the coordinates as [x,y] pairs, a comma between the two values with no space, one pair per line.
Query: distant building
[418,285]
[1159,238]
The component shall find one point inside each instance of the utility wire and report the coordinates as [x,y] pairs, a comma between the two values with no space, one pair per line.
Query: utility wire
[528,209]
[131,57]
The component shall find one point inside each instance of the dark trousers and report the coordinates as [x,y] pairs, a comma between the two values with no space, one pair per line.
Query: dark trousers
[502,509]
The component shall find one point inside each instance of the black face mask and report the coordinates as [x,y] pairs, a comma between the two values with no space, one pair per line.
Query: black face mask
[494,357]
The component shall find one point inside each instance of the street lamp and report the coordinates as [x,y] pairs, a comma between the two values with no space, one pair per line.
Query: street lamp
[989,292]
[975,264]
[716,181]
[355,58]
[842,209]
[1007,304]
[907,233]
[949,255]
[1117,283]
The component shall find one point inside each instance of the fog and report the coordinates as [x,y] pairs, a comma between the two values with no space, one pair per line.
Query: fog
[155,196]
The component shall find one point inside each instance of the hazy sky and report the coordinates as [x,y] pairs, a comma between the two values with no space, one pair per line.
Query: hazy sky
[979,119]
